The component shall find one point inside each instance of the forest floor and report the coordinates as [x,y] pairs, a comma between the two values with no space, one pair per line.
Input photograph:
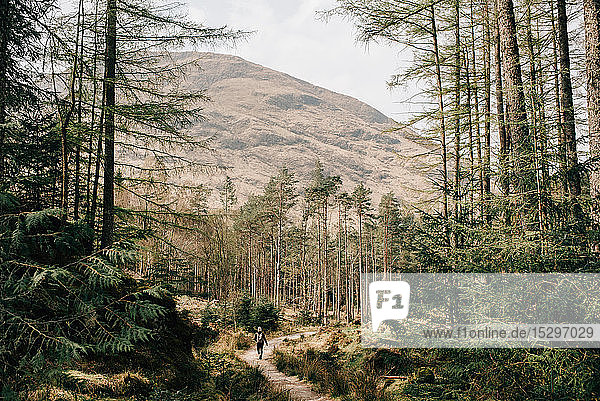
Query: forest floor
[189,361]
[298,389]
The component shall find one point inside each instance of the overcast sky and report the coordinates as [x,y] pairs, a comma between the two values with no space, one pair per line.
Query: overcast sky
[290,38]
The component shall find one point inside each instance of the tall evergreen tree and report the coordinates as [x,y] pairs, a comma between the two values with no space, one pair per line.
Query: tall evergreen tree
[21,23]
[280,196]
[592,57]
[516,113]
[110,65]
[227,195]
[361,199]
[566,94]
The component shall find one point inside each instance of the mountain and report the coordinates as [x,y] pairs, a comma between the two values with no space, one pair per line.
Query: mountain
[260,120]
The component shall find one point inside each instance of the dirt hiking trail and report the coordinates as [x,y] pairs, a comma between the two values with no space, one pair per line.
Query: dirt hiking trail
[298,390]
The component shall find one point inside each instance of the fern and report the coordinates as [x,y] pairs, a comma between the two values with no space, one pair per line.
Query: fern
[8,203]
[58,300]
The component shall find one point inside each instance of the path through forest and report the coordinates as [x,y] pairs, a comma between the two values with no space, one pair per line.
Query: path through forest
[298,389]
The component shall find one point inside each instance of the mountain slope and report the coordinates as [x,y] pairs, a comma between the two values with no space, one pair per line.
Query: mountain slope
[261,120]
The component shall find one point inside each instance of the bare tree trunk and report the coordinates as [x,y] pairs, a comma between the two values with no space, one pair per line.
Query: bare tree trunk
[516,113]
[471,166]
[338,276]
[325,271]
[349,272]
[278,254]
[486,179]
[318,280]
[303,266]
[561,150]
[543,152]
[77,197]
[457,115]
[4,56]
[480,167]
[502,134]
[108,212]
[592,56]
[386,245]
[252,265]
[92,214]
[537,122]
[566,95]
[92,127]
[66,120]
[440,90]
[360,259]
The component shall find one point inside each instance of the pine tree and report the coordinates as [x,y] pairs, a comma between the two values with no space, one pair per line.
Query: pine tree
[361,198]
[566,94]
[110,65]
[227,195]
[280,196]
[389,227]
[592,57]
[516,114]
[20,44]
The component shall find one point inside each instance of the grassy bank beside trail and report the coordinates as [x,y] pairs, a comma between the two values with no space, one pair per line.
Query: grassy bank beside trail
[335,363]
[189,360]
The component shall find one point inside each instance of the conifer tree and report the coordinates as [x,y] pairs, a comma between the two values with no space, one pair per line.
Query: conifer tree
[592,57]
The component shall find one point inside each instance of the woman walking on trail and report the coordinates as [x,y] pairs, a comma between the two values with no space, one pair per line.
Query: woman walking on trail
[261,341]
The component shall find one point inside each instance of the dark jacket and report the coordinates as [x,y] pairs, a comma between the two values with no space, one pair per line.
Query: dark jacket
[260,337]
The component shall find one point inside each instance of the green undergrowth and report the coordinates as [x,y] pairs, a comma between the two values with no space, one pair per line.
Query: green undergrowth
[186,362]
[335,363]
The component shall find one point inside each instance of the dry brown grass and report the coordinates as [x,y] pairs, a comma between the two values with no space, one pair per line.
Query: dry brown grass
[120,383]
[78,386]
[230,340]
[50,393]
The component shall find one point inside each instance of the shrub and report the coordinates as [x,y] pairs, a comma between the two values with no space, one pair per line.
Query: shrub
[250,313]
[233,340]
[246,384]
[242,311]
[265,314]
[287,363]
[59,300]
[204,332]
[330,376]
[365,386]
[306,317]
[240,340]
